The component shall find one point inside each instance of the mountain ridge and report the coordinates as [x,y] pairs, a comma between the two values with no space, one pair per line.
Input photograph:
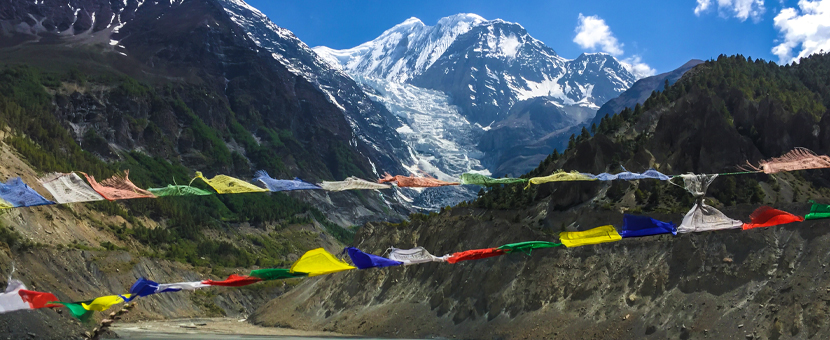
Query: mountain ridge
[641,90]
[486,67]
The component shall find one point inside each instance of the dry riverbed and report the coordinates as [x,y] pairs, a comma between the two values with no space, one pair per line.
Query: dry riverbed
[212,328]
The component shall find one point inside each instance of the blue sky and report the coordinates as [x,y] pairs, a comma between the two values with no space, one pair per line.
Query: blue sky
[662,35]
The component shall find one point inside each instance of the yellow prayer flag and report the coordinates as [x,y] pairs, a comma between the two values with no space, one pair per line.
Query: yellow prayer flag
[5,205]
[229,185]
[318,262]
[560,176]
[105,302]
[603,234]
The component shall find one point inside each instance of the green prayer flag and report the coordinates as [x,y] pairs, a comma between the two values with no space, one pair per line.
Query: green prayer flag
[275,274]
[818,211]
[473,178]
[528,246]
[178,190]
[77,309]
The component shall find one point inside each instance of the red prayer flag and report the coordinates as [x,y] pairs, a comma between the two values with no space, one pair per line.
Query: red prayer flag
[234,281]
[38,299]
[415,182]
[767,217]
[118,187]
[475,254]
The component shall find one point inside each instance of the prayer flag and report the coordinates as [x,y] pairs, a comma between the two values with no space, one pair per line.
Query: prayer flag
[697,184]
[21,195]
[414,256]
[38,299]
[475,254]
[118,187]
[767,217]
[527,247]
[275,274]
[479,179]
[69,188]
[414,182]
[105,302]
[175,287]
[318,262]
[353,183]
[705,218]
[797,159]
[143,287]
[561,176]
[282,184]
[178,190]
[229,185]
[77,309]
[10,299]
[234,281]
[818,211]
[365,261]
[631,176]
[635,226]
[597,235]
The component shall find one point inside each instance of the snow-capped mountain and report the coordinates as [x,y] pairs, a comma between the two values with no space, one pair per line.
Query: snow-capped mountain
[373,125]
[487,67]
[438,141]
[497,64]
[403,51]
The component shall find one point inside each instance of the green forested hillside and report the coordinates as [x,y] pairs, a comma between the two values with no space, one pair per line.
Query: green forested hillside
[765,108]
[27,113]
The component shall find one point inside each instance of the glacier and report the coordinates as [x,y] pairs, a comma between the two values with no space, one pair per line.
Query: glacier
[443,141]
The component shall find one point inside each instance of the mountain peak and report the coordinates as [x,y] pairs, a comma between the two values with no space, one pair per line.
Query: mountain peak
[586,55]
[403,51]
[469,18]
[412,21]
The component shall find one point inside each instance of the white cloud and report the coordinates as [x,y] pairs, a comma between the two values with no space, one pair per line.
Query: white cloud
[637,67]
[741,9]
[806,28]
[592,32]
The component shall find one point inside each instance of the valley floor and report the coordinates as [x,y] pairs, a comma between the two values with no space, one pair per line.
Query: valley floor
[214,328]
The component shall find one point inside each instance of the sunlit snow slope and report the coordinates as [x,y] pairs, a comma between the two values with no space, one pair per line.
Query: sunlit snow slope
[486,68]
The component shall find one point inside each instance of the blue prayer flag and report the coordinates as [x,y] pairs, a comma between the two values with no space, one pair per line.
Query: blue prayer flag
[21,195]
[363,260]
[635,226]
[283,184]
[142,288]
[630,176]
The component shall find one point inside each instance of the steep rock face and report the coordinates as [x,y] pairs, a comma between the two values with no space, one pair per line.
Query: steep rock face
[373,125]
[761,283]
